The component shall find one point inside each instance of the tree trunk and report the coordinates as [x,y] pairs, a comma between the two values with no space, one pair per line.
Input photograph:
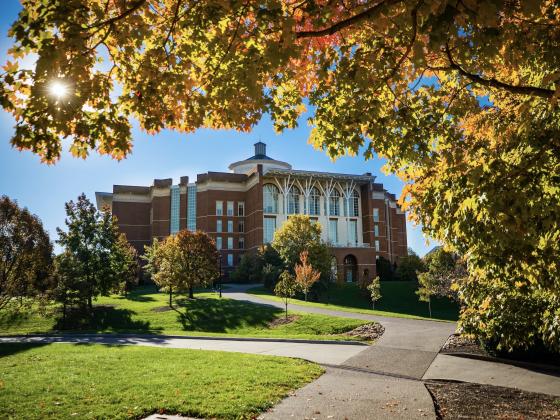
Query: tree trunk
[191,294]
[171,297]
[286,310]
[430,306]
[373,304]
[90,304]
[305,295]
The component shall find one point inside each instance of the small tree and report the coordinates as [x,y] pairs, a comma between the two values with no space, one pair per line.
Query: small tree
[286,288]
[374,289]
[25,254]
[306,275]
[428,288]
[124,264]
[183,261]
[409,266]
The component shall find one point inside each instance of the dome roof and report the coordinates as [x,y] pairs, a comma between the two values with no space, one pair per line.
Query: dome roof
[260,157]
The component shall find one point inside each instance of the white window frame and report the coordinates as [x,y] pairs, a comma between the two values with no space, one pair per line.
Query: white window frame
[230,260]
[219,208]
[218,225]
[241,226]
[241,243]
[229,208]
[230,226]
[219,242]
[241,208]
[376,230]
[333,222]
[230,242]
[377,247]
[376,215]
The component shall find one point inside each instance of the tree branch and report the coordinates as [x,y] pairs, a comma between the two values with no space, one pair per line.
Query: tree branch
[135,6]
[520,90]
[366,14]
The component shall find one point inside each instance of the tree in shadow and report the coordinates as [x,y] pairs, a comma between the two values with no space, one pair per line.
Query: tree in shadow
[104,318]
[221,315]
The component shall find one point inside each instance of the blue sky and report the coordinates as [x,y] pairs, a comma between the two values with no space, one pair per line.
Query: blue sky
[44,189]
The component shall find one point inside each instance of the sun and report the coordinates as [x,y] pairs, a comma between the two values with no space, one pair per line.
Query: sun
[58,89]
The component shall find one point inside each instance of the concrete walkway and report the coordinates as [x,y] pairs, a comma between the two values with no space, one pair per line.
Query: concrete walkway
[330,353]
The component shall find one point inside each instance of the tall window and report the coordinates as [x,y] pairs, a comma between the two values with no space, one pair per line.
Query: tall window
[230,226]
[241,226]
[218,225]
[241,243]
[354,204]
[293,200]
[241,208]
[333,231]
[353,232]
[270,198]
[219,208]
[230,243]
[230,208]
[269,228]
[376,230]
[334,203]
[377,246]
[219,242]
[191,207]
[175,207]
[314,202]
[376,215]
[230,259]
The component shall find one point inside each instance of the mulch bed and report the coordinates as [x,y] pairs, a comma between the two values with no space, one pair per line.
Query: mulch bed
[283,321]
[455,344]
[367,331]
[455,400]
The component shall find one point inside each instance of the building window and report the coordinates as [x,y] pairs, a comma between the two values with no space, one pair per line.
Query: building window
[269,229]
[241,208]
[241,243]
[191,207]
[293,200]
[333,231]
[376,230]
[270,199]
[314,202]
[218,225]
[376,215]
[230,208]
[230,226]
[334,203]
[219,208]
[377,246]
[230,259]
[219,242]
[313,220]
[353,232]
[230,243]
[354,204]
[175,207]
[241,226]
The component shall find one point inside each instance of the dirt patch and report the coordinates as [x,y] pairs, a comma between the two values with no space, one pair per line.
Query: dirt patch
[455,344]
[283,321]
[367,331]
[162,309]
[454,400]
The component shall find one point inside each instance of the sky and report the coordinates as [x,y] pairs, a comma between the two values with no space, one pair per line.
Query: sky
[44,189]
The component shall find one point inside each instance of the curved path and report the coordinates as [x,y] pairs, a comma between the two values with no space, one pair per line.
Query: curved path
[381,381]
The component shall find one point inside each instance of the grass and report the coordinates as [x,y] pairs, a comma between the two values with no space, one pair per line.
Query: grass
[398,300]
[94,381]
[146,311]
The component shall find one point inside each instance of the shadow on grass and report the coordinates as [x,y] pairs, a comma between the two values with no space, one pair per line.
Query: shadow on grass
[221,315]
[104,318]
[7,349]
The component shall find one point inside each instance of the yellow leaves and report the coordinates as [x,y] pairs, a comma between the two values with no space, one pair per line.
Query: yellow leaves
[11,67]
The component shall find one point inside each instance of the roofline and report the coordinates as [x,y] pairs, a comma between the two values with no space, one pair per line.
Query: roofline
[363,178]
[257,162]
[99,195]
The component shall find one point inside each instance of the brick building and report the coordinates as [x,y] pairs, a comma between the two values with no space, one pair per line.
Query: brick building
[241,210]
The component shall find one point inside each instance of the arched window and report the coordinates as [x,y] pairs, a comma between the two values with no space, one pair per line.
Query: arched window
[354,204]
[350,269]
[314,202]
[293,200]
[334,203]
[270,198]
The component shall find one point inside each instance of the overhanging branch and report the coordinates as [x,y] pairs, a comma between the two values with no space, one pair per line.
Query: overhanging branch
[366,14]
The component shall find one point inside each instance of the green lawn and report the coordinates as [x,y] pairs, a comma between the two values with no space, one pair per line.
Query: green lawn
[63,381]
[398,300]
[146,311]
